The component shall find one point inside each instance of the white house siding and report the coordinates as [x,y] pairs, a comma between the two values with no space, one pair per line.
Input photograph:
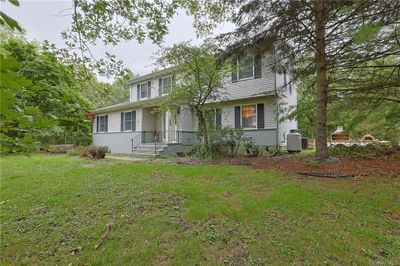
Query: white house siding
[253,87]
[117,141]
[248,88]
[154,89]
[287,100]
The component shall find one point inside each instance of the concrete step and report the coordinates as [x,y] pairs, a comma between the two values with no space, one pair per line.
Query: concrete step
[143,155]
[139,151]
[151,145]
[150,148]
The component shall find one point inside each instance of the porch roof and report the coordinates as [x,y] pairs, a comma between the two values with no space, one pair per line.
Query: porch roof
[129,105]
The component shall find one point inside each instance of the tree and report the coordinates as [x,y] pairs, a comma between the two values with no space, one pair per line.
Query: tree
[199,77]
[99,94]
[44,95]
[318,37]
[365,100]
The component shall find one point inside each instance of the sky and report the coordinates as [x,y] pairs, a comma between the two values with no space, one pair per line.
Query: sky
[45,20]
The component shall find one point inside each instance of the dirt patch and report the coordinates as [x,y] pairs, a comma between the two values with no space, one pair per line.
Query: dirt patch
[391,216]
[301,163]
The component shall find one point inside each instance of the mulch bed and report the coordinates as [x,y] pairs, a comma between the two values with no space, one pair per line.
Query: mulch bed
[300,163]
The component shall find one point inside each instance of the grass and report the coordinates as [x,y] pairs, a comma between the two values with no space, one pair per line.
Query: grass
[120,212]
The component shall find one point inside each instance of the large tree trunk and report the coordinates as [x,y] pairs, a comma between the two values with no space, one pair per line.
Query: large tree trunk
[322,84]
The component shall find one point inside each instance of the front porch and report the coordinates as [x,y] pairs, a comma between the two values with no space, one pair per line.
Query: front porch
[159,132]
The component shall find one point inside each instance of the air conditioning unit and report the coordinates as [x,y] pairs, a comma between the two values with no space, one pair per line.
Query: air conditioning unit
[293,141]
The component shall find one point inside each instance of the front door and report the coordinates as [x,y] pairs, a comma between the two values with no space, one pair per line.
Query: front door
[169,127]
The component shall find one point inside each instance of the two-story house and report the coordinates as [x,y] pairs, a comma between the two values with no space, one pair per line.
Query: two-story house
[251,103]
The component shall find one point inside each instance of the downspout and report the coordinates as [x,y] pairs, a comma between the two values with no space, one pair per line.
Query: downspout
[277,109]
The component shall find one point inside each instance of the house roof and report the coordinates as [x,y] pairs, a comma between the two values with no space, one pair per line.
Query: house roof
[128,105]
[152,75]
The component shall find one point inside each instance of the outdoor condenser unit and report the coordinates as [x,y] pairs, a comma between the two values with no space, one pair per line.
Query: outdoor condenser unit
[293,141]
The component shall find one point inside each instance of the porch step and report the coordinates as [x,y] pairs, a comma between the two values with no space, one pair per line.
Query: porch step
[147,150]
[143,155]
[144,151]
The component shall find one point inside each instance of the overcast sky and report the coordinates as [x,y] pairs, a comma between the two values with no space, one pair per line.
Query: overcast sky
[42,21]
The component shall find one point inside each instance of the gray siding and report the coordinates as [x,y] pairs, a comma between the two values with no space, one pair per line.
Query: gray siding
[117,142]
[253,87]
[266,137]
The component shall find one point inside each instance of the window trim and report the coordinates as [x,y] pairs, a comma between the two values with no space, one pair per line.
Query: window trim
[99,125]
[238,69]
[140,91]
[162,85]
[123,123]
[241,116]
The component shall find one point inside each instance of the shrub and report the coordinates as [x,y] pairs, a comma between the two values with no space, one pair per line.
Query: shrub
[226,142]
[252,149]
[98,152]
[82,151]
[61,148]
[369,151]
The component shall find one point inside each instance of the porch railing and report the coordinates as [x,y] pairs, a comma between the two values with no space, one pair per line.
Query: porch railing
[156,137]
[135,140]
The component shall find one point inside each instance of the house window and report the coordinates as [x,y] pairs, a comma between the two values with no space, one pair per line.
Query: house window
[103,123]
[249,116]
[144,90]
[214,118]
[166,85]
[245,67]
[128,121]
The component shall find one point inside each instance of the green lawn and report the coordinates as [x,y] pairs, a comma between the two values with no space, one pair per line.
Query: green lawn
[142,213]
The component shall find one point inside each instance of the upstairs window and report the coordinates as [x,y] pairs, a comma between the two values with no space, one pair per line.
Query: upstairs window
[166,85]
[245,68]
[144,90]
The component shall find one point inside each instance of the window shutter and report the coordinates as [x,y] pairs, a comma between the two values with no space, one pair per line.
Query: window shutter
[106,123]
[138,92]
[97,124]
[122,121]
[237,116]
[218,119]
[234,71]
[160,87]
[149,89]
[133,120]
[260,115]
[257,66]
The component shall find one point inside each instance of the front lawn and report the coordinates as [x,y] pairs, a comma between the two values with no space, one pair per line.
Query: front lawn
[61,210]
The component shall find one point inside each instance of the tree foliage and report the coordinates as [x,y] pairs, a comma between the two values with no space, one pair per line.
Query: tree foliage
[373,107]
[41,101]
[199,78]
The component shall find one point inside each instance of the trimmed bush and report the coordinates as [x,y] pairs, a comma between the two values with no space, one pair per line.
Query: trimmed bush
[62,148]
[96,152]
